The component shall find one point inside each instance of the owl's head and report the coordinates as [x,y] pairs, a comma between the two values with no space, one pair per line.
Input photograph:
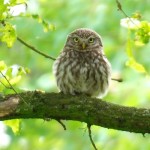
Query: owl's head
[84,39]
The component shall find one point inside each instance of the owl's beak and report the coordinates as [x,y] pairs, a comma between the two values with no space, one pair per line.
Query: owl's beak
[83,45]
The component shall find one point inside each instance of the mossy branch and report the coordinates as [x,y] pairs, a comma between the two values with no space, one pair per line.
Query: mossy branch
[58,106]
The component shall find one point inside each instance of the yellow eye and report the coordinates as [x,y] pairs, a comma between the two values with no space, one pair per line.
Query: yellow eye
[91,40]
[76,39]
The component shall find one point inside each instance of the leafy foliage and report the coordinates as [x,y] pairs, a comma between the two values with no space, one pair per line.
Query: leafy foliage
[7,30]
[10,75]
[8,34]
[135,65]
[142,34]
[46,26]
[141,30]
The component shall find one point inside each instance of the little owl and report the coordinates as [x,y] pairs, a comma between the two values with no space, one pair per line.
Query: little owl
[82,67]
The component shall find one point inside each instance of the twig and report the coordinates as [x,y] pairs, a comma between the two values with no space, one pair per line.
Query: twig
[64,127]
[120,8]
[11,87]
[90,136]
[30,46]
[119,80]
[34,49]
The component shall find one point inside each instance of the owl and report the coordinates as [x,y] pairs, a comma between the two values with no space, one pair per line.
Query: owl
[82,67]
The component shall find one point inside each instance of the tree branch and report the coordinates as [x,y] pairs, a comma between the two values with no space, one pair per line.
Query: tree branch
[93,111]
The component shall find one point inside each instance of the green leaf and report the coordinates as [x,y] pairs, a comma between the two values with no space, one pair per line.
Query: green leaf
[27,70]
[46,25]
[142,35]
[8,34]
[15,80]
[3,66]
[137,15]
[135,65]
[22,71]
[13,75]
[9,72]
[12,1]
[128,47]
[3,11]
[14,124]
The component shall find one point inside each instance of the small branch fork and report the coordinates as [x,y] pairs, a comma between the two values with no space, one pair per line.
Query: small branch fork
[62,124]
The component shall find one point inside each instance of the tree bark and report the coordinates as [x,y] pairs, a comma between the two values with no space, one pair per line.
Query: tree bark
[58,106]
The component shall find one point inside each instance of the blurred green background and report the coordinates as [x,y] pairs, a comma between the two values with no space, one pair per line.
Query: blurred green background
[67,15]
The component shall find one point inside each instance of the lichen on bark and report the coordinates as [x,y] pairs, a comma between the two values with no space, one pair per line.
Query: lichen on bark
[93,111]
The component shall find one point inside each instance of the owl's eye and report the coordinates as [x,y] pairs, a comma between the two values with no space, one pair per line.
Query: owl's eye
[76,39]
[91,40]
